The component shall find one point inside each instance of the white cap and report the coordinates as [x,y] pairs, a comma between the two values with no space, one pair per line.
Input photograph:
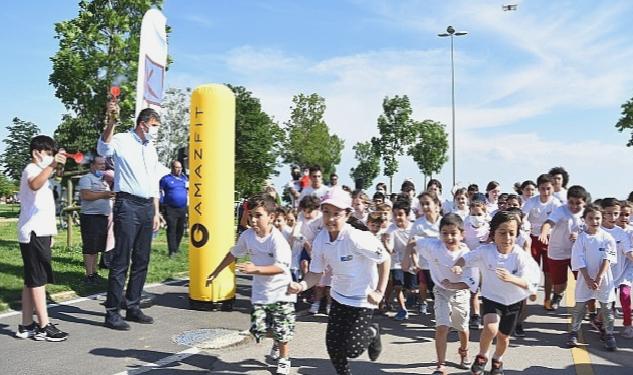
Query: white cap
[337,197]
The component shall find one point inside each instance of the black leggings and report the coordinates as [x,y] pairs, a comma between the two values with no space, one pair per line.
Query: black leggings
[348,334]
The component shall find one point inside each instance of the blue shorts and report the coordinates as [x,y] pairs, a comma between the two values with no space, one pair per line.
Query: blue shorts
[305,256]
[406,280]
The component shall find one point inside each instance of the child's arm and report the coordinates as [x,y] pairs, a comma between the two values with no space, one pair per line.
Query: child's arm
[252,269]
[375,296]
[228,259]
[458,266]
[604,266]
[385,238]
[410,257]
[545,230]
[310,279]
[506,276]
[588,280]
[38,181]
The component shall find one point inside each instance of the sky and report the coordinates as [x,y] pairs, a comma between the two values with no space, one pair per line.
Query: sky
[535,88]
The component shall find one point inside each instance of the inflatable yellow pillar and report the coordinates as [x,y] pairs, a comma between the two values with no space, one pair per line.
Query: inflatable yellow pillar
[211,193]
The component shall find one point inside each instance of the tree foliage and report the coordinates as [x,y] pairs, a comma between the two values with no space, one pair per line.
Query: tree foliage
[258,141]
[308,139]
[396,133]
[98,46]
[7,186]
[174,126]
[16,155]
[626,121]
[430,147]
[76,134]
[368,166]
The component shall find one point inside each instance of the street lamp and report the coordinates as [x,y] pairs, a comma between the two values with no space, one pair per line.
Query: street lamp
[450,31]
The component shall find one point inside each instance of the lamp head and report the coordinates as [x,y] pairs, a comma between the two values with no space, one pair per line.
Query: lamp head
[450,30]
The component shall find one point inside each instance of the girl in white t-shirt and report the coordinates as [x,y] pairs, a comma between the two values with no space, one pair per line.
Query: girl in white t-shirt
[460,203]
[360,202]
[508,275]
[626,209]
[476,233]
[360,271]
[592,255]
[493,189]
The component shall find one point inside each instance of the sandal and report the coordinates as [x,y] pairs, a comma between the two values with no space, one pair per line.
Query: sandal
[440,369]
[465,361]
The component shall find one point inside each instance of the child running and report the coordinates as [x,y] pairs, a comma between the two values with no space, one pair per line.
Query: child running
[360,270]
[270,257]
[626,208]
[508,274]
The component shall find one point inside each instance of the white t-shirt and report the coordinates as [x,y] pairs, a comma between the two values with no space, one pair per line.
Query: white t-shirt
[623,246]
[310,228]
[518,262]
[37,207]
[422,228]
[267,251]
[561,195]
[319,193]
[522,238]
[398,240]
[627,275]
[588,252]
[537,213]
[441,260]
[296,241]
[462,213]
[565,223]
[353,257]
[475,237]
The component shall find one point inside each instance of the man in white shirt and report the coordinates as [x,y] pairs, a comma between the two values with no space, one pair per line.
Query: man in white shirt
[316,187]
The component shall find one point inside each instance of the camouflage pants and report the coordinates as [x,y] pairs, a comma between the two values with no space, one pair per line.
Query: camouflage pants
[277,317]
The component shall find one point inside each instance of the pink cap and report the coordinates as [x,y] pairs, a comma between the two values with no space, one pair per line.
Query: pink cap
[337,197]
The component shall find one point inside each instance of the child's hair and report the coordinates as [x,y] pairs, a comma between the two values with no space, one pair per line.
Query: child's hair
[589,208]
[503,217]
[263,200]
[310,202]
[407,186]
[378,195]
[515,197]
[315,168]
[503,196]
[630,197]
[517,211]
[477,203]
[491,186]
[280,211]
[431,196]
[626,204]
[357,223]
[291,211]
[609,202]
[383,207]
[544,179]
[393,197]
[460,191]
[375,217]
[561,171]
[402,204]
[473,187]
[42,143]
[434,182]
[381,185]
[359,194]
[518,187]
[452,219]
[577,192]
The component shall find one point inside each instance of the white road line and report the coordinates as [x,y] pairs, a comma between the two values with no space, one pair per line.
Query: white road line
[162,362]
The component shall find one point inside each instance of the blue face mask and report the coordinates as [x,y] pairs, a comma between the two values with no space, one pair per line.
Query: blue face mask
[99,173]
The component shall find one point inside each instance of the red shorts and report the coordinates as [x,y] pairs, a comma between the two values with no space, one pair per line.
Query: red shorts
[539,253]
[558,270]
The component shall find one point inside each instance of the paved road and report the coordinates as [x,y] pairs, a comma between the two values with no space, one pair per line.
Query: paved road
[150,349]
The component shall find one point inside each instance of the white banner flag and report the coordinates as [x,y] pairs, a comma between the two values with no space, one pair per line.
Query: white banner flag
[152,60]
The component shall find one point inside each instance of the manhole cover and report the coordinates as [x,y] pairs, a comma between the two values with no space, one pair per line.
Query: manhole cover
[212,338]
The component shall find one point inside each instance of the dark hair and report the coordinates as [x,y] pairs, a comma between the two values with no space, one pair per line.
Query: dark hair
[491,186]
[503,196]
[333,175]
[452,219]
[503,217]
[561,171]
[434,182]
[381,184]
[280,211]
[357,223]
[407,186]
[432,196]
[262,200]
[630,197]
[310,202]
[518,187]
[473,187]
[315,168]
[517,211]
[543,179]
[577,191]
[375,217]
[515,196]
[479,197]
[627,204]
[146,115]
[378,195]
[460,191]
[609,202]
[42,143]
[589,208]
[402,204]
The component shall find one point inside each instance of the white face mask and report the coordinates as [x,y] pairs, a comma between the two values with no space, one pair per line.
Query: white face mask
[45,161]
[478,221]
[152,133]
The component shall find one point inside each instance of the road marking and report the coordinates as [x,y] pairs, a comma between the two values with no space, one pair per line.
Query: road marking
[580,355]
[162,362]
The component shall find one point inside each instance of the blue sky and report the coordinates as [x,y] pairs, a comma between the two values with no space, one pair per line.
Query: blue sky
[535,88]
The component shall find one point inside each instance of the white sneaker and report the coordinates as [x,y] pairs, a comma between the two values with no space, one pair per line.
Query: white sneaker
[274,352]
[627,332]
[314,308]
[328,307]
[283,366]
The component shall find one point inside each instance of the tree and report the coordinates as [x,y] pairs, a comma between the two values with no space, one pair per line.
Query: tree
[626,122]
[368,166]
[16,155]
[98,46]
[308,139]
[76,134]
[7,187]
[258,141]
[174,127]
[430,148]
[396,133]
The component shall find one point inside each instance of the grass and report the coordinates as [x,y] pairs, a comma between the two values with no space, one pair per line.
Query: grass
[9,211]
[68,265]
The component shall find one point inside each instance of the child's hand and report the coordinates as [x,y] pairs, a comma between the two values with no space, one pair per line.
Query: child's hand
[60,158]
[210,279]
[446,284]
[532,297]
[247,268]
[573,236]
[457,270]
[503,274]
[598,282]
[543,238]
[294,288]
[374,297]
[590,283]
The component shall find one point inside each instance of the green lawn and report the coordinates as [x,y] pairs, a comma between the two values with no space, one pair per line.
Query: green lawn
[9,211]
[68,265]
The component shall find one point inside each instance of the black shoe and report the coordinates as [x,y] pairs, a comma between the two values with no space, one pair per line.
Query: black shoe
[496,368]
[117,323]
[572,340]
[475,322]
[479,365]
[518,331]
[609,343]
[49,333]
[25,332]
[556,301]
[375,347]
[138,316]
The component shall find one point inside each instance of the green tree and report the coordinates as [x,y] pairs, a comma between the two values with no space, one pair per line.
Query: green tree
[174,127]
[626,121]
[368,166]
[396,133]
[430,147]
[7,186]
[98,46]
[16,155]
[258,141]
[308,139]
[76,134]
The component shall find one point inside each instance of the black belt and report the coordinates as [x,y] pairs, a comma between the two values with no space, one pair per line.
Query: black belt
[135,198]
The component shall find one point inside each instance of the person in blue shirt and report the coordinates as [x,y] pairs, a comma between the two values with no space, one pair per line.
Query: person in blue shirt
[173,189]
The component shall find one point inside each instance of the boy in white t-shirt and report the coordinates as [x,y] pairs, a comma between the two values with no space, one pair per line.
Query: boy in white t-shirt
[36,228]
[626,209]
[476,233]
[560,178]
[537,209]
[592,255]
[270,258]
[559,232]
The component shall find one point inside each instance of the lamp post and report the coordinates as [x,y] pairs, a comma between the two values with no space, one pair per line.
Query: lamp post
[450,31]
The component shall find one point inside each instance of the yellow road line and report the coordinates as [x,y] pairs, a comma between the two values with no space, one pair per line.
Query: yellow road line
[579,354]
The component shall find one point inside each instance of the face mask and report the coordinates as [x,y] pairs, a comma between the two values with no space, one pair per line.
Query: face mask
[478,221]
[46,161]
[99,173]
[152,133]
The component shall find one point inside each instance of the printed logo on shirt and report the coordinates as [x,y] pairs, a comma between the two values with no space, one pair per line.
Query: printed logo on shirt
[271,255]
[347,258]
